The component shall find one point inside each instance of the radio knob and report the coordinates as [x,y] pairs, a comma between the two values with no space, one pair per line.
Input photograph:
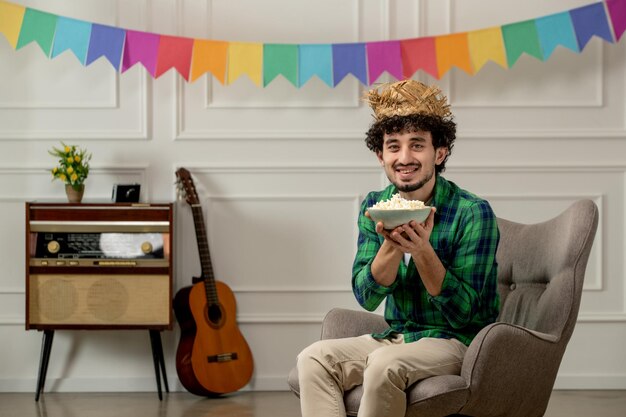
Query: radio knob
[53,246]
[146,247]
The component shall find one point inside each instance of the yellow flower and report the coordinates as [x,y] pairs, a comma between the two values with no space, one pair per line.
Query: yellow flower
[77,158]
[62,177]
[54,170]
[74,177]
[67,149]
[70,170]
[70,159]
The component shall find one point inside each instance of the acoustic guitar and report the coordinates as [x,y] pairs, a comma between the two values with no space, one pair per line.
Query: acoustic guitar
[212,357]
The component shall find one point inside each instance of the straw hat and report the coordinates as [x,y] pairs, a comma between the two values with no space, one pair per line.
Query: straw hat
[407,97]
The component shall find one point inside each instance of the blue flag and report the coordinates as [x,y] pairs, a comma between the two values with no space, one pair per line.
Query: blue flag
[315,60]
[349,58]
[106,41]
[74,35]
[589,21]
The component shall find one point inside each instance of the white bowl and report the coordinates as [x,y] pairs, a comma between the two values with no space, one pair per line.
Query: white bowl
[394,218]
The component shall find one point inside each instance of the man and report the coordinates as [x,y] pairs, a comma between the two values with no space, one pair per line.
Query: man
[438,278]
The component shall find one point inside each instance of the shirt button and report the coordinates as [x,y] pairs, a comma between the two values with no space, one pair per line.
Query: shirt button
[513,286]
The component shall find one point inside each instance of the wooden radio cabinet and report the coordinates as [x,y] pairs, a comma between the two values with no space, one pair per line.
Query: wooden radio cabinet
[99,266]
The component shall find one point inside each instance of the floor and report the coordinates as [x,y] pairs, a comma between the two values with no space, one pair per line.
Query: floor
[247,404]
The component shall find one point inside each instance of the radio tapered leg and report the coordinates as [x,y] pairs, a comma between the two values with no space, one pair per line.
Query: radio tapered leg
[159,361]
[46,348]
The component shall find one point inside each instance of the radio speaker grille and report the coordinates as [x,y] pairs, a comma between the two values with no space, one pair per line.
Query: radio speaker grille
[98,299]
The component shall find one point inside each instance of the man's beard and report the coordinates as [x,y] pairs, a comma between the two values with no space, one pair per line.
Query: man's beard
[407,188]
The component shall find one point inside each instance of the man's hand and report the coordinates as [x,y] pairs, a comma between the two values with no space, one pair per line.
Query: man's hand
[412,237]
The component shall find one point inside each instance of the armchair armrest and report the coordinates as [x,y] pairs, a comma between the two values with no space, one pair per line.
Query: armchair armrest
[340,322]
[512,365]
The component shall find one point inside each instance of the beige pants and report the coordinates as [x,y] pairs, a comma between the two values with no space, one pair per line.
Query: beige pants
[385,368]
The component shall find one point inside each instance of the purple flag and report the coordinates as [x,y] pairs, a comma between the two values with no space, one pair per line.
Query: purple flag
[589,21]
[617,10]
[141,47]
[349,58]
[106,41]
[384,56]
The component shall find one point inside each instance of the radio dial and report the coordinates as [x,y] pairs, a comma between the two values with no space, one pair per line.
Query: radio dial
[146,247]
[53,246]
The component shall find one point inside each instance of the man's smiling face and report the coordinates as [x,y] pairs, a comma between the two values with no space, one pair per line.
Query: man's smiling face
[409,160]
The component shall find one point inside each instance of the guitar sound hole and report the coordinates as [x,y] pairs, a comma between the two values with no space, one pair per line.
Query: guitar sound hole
[214,314]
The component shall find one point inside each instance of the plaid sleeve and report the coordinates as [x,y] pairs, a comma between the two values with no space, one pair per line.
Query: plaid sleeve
[368,292]
[471,280]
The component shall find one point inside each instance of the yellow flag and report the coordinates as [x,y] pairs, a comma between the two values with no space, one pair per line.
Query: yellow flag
[245,58]
[11,18]
[452,51]
[485,45]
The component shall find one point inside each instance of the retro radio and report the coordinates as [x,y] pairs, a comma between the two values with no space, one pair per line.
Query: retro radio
[98,266]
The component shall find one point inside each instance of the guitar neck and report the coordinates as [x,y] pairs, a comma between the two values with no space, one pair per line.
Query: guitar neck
[205,255]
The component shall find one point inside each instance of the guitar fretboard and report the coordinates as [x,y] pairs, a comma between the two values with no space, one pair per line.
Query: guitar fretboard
[205,255]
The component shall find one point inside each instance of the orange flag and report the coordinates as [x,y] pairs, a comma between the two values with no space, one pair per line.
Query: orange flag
[245,58]
[486,45]
[209,56]
[453,50]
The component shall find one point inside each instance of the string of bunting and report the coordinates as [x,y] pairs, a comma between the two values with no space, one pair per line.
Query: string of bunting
[298,63]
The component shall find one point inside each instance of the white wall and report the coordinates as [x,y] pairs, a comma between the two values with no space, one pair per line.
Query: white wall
[281,171]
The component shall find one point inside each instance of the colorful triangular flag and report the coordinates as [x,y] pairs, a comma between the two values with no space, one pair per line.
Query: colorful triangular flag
[74,35]
[11,18]
[39,27]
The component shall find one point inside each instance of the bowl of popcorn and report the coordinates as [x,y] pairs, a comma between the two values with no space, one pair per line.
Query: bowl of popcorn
[398,211]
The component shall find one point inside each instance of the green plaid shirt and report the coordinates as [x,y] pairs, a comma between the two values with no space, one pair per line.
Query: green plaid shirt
[465,237]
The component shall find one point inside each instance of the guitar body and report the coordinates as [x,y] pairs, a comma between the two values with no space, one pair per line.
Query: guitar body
[213,357]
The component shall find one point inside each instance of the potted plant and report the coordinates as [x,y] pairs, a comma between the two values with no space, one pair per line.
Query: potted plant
[72,170]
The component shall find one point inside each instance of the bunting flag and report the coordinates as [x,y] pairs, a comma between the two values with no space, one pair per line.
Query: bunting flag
[209,56]
[11,19]
[486,45]
[141,47]
[617,10]
[453,50]
[519,38]
[174,52]
[108,42]
[245,58]
[589,21]
[315,60]
[74,35]
[349,58]
[39,27]
[299,63]
[555,30]
[384,56]
[419,54]
[280,60]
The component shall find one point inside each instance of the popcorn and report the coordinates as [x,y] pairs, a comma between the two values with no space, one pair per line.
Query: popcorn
[396,202]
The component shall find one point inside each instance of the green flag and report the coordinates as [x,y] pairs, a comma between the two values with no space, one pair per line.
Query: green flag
[280,59]
[519,38]
[39,27]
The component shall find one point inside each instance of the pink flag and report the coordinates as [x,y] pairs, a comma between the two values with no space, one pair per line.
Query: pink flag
[617,10]
[419,54]
[141,47]
[384,56]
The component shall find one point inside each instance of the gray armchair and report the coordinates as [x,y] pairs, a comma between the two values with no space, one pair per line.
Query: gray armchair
[510,367]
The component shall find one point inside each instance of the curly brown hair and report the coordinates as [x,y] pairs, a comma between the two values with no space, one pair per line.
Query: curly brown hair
[443,131]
